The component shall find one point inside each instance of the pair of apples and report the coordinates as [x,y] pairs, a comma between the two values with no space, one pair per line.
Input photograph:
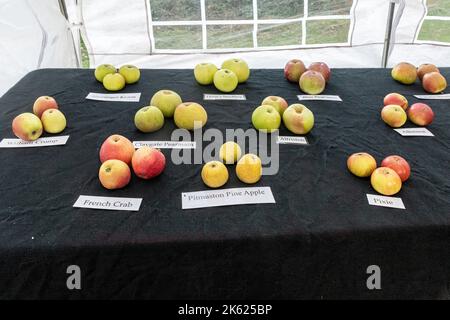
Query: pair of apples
[168,104]
[232,72]
[386,179]
[312,80]
[46,117]
[115,80]
[267,117]
[395,111]
[432,80]
[248,168]
[117,153]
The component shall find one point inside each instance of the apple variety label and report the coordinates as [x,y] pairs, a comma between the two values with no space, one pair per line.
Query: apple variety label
[123,97]
[433,96]
[226,197]
[166,144]
[324,97]
[208,96]
[291,140]
[41,142]
[108,203]
[383,201]
[415,132]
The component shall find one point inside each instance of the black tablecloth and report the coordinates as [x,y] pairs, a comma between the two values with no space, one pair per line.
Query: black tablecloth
[315,242]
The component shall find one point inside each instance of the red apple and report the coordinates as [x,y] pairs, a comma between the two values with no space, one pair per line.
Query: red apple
[294,69]
[425,68]
[399,165]
[114,174]
[434,82]
[420,114]
[321,67]
[43,103]
[117,147]
[385,181]
[397,99]
[361,164]
[148,162]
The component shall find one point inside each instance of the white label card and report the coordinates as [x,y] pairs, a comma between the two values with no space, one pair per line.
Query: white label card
[208,96]
[226,197]
[291,140]
[323,97]
[108,203]
[41,142]
[383,201]
[445,96]
[415,132]
[166,144]
[123,97]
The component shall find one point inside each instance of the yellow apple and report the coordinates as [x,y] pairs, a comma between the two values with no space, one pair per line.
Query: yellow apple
[190,116]
[102,70]
[230,152]
[361,164]
[114,82]
[166,101]
[249,168]
[239,67]
[149,119]
[225,80]
[214,174]
[386,181]
[53,121]
[204,73]
[266,118]
[131,73]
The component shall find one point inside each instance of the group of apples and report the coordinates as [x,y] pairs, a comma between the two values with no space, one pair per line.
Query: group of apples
[248,168]
[395,111]
[297,118]
[167,104]
[312,80]
[432,80]
[45,117]
[232,72]
[115,80]
[388,178]
[117,153]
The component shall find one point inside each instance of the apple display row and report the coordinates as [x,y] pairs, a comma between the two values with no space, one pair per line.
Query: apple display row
[311,80]
[432,80]
[115,80]
[395,111]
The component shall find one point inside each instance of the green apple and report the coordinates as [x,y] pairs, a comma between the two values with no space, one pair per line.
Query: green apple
[239,67]
[114,82]
[149,119]
[266,118]
[298,119]
[102,70]
[277,102]
[166,101]
[130,73]
[225,80]
[53,121]
[204,73]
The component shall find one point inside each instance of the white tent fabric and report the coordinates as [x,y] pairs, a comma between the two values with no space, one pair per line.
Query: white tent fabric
[35,35]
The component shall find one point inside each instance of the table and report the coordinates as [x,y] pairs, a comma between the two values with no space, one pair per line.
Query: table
[316,242]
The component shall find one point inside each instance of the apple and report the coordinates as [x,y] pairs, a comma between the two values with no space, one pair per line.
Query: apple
[27,126]
[294,69]
[117,147]
[386,181]
[148,162]
[166,101]
[53,121]
[114,174]
[321,67]
[44,103]
[425,68]
[361,164]
[277,102]
[114,82]
[190,116]
[149,119]
[131,73]
[214,174]
[249,168]
[397,99]
[225,80]
[230,152]
[204,73]
[404,72]
[420,114]
[239,67]
[102,70]
[298,119]
[266,118]
[434,82]
[393,115]
[399,165]
[312,82]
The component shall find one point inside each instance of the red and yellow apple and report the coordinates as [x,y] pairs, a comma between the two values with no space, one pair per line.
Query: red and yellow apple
[277,102]
[117,147]
[361,164]
[294,69]
[312,82]
[399,165]
[266,118]
[214,174]
[425,68]
[298,119]
[190,116]
[239,67]
[53,121]
[434,82]
[114,174]
[44,103]
[397,99]
[27,126]
[404,72]
[386,181]
[321,67]
[393,115]
[148,162]
[420,114]
[166,101]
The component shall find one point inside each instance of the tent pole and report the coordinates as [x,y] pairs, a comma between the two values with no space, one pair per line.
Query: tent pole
[387,38]
[76,44]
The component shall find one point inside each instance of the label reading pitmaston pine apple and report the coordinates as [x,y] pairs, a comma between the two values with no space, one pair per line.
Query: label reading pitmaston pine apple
[292,140]
[433,96]
[108,203]
[41,142]
[226,197]
[208,96]
[383,201]
[323,97]
[122,97]
[166,144]
[415,132]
